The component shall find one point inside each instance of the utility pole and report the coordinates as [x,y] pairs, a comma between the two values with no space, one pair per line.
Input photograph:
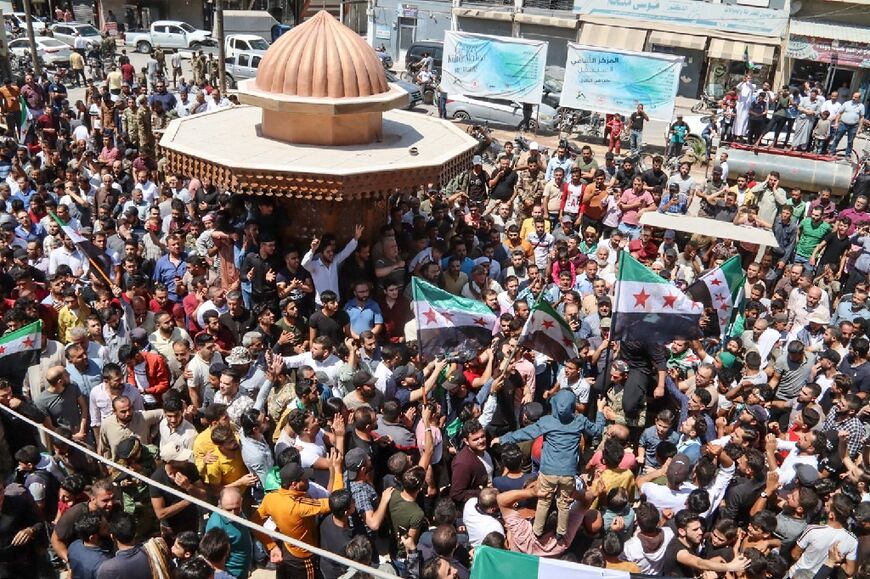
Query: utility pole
[219,25]
[31,39]
[5,63]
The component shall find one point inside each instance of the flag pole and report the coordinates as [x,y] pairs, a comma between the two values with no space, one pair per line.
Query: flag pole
[91,260]
[735,312]
[615,310]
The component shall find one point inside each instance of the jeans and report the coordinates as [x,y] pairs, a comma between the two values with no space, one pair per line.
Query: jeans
[632,231]
[843,129]
[635,139]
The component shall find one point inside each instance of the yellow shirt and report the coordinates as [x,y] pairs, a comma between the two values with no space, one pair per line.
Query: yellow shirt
[67,320]
[224,470]
[616,478]
[528,226]
[202,445]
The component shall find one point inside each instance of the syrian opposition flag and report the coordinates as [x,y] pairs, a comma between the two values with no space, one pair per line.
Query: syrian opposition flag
[718,290]
[490,562]
[649,308]
[548,333]
[97,257]
[449,325]
[25,118]
[22,340]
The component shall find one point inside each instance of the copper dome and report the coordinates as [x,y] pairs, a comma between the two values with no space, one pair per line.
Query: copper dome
[321,58]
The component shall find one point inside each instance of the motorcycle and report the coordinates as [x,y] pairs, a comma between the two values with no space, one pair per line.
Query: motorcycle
[706,103]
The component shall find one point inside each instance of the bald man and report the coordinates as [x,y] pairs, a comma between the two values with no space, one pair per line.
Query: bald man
[239,561]
[63,403]
[813,302]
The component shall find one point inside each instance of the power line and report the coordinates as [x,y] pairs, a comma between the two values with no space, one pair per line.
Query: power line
[203,504]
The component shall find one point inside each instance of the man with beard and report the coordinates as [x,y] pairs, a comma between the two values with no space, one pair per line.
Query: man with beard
[680,558]
[365,393]
[296,514]
[126,422]
[101,499]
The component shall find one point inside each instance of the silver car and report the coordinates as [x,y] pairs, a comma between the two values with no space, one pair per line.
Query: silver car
[409,87]
[497,112]
[67,31]
[242,66]
[52,51]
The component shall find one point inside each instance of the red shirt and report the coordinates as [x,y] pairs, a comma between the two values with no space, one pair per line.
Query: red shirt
[127,72]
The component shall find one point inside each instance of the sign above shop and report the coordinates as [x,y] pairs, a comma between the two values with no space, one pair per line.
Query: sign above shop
[407,11]
[839,52]
[725,17]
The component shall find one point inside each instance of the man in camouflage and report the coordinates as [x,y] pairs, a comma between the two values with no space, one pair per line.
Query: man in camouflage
[160,57]
[143,124]
[530,189]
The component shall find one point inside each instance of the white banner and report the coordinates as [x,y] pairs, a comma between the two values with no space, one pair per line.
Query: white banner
[493,66]
[614,81]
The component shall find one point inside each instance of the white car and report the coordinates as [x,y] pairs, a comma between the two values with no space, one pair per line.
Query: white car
[497,112]
[20,18]
[67,31]
[52,51]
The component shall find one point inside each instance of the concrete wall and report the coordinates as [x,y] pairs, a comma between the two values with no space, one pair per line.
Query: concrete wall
[481,26]
[433,19]
[558,38]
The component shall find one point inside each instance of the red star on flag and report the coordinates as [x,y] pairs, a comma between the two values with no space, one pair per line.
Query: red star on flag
[547,324]
[2,349]
[431,316]
[480,322]
[567,342]
[669,301]
[715,281]
[696,305]
[28,342]
[640,299]
[723,307]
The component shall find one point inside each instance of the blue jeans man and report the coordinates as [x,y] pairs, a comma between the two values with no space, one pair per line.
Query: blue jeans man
[635,139]
[843,129]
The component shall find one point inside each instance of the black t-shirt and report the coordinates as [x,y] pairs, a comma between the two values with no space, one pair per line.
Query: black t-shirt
[670,566]
[334,539]
[477,185]
[835,248]
[637,121]
[186,519]
[330,326]
[652,178]
[504,189]
[860,375]
[64,527]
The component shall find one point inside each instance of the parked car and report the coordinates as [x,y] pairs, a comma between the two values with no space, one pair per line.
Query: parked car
[19,19]
[241,66]
[67,31]
[168,34]
[415,52]
[412,89]
[236,43]
[51,51]
[497,112]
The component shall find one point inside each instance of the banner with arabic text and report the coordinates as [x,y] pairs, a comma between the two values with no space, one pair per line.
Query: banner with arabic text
[478,65]
[614,81]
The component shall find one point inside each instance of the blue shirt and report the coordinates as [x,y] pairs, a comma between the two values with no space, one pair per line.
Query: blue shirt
[363,317]
[165,272]
[241,545]
[556,162]
[86,380]
[84,560]
[467,265]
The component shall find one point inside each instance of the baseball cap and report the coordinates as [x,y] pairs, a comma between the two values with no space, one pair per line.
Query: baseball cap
[477,160]
[361,378]
[354,460]
[567,219]
[679,470]
[175,452]
[620,366]
[758,412]
[673,187]
[604,324]
[534,146]
[293,472]
[453,382]
[605,300]
[670,234]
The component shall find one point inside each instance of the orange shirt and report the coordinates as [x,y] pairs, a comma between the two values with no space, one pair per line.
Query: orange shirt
[10,94]
[295,514]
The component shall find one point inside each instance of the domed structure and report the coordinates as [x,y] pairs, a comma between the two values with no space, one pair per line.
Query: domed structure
[321,84]
[321,58]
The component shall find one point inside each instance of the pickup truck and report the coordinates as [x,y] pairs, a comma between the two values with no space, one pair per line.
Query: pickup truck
[168,34]
[236,43]
[242,66]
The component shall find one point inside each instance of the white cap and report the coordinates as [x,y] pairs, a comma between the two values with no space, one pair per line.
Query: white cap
[477,160]
[534,146]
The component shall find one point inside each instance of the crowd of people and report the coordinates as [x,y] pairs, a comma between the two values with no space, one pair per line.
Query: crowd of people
[282,381]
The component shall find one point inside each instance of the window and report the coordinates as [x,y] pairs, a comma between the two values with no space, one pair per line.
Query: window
[255,62]
[243,59]
[175,30]
[160,29]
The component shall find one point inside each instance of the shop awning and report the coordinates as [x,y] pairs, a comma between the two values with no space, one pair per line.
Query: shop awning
[843,32]
[710,228]
[612,37]
[678,40]
[733,50]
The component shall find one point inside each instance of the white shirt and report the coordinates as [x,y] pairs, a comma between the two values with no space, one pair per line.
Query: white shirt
[183,435]
[206,306]
[786,471]
[381,375]
[74,259]
[329,366]
[816,540]
[149,190]
[662,497]
[477,524]
[211,105]
[100,402]
[649,563]
[833,107]
[325,277]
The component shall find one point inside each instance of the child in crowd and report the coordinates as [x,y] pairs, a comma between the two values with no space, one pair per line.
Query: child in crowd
[822,133]
[663,429]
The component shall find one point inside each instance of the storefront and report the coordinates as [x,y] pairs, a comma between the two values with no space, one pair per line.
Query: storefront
[727,61]
[834,55]
[691,48]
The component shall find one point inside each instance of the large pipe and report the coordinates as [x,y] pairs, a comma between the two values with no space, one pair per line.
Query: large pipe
[805,172]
